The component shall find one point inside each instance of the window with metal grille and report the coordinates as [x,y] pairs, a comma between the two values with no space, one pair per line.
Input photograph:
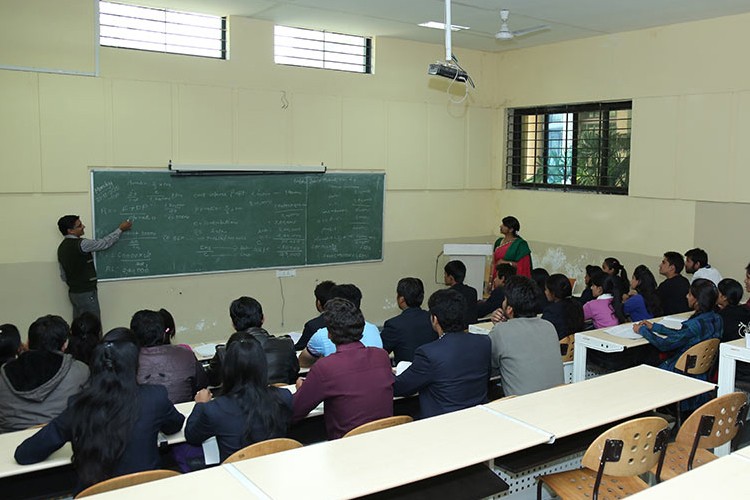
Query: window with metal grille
[578,147]
[321,49]
[160,30]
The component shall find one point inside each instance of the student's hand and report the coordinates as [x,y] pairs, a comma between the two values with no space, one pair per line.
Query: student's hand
[498,316]
[203,396]
[126,225]
[300,381]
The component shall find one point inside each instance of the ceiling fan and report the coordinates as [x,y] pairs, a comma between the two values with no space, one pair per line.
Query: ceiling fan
[506,34]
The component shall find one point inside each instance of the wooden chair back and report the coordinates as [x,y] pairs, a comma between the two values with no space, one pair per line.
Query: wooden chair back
[569,342]
[722,418]
[698,359]
[628,449]
[267,447]
[379,424]
[127,480]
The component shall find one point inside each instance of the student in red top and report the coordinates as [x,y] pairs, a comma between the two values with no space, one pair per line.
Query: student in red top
[355,382]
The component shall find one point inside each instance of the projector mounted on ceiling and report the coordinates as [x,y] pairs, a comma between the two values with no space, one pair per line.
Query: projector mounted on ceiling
[449,68]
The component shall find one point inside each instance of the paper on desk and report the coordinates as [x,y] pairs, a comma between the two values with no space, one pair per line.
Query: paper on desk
[674,322]
[478,329]
[295,336]
[205,350]
[402,366]
[211,451]
[623,331]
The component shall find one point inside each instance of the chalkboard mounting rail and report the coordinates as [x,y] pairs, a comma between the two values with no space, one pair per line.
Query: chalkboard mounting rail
[228,169]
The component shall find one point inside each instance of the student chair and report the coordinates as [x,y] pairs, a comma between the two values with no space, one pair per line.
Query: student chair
[698,360]
[612,463]
[267,447]
[380,424]
[713,424]
[569,343]
[127,480]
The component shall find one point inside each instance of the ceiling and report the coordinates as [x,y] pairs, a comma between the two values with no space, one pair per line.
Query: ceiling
[568,19]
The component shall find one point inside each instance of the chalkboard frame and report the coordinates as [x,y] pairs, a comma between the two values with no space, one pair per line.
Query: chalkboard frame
[172,173]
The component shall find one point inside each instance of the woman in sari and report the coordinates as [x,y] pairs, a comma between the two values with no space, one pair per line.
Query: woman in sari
[511,249]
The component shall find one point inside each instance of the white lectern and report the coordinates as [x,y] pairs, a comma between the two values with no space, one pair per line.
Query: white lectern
[474,256]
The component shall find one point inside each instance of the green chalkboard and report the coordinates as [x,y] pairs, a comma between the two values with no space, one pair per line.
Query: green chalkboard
[201,224]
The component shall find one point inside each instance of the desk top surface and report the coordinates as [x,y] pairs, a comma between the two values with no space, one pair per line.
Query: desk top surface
[202,484]
[601,334]
[722,478]
[377,461]
[10,441]
[573,408]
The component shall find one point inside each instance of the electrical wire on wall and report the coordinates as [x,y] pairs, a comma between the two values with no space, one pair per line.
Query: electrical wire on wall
[283,300]
[438,281]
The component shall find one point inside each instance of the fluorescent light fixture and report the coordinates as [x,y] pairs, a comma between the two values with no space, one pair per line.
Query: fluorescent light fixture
[441,26]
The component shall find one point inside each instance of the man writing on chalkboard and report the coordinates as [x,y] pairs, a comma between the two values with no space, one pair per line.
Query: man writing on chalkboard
[77,264]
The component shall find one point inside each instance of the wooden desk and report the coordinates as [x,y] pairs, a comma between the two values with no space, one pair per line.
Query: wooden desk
[723,479]
[600,340]
[222,482]
[392,457]
[572,408]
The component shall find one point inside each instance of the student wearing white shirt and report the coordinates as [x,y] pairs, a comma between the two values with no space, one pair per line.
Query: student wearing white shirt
[696,263]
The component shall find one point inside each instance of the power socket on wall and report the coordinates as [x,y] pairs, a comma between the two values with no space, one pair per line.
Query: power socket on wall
[286,273]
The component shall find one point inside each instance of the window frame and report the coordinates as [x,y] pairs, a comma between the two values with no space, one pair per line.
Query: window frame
[515,144]
[367,46]
[223,40]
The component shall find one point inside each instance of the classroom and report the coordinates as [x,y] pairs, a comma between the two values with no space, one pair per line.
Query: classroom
[443,162]
[68,105]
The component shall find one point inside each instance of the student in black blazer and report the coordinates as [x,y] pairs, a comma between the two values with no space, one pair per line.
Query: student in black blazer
[404,333]
[452,372]
[455,272]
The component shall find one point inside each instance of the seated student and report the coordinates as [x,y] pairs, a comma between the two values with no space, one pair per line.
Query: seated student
[747,283]
[172,366]
[247,316]
[85,333]
[539,276]
[404,333]
[10,343]
[248,410]
[454,275]
[355,383]
[612,266]
[322,292]
[452,372]
[587,295]
[704,324]
[696,263]
[113,423]
[564,312]
[320,345]
[732,313]
[35,387]
[674,289]
[644,303]
[525,348]
[495,300]
[736,318]
[606,308]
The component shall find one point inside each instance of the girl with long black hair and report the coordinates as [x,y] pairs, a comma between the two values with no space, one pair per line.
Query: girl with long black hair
[645,303]
[113,423]
[248,410]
